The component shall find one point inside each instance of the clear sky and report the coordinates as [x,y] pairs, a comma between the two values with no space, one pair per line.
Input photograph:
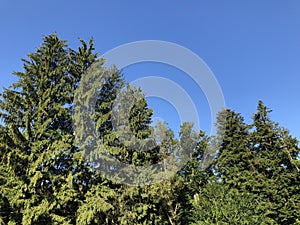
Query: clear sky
[252,47]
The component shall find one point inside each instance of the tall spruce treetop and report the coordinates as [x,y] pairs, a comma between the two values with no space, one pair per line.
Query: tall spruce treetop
[233,163]
[277,178]
[36,140]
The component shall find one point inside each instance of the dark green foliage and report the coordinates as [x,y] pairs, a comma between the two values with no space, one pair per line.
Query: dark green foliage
[219,204]
[277,174]
[256,175]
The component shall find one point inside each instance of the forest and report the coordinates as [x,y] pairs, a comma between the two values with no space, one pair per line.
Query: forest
[45,178]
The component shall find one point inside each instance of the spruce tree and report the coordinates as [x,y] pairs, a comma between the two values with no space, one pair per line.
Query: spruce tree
[233,165]
[276,163]
[255,178]
[41,182]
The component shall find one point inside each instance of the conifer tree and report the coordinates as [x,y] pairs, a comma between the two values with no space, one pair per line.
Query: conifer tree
[255,178]
[41,181]
[276,162]
[233,164]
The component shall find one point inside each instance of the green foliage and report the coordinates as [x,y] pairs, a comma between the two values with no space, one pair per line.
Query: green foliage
[46,177]
[39,173]
[218,204]
[256,175]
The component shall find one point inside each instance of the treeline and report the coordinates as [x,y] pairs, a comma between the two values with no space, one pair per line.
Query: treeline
[46,179]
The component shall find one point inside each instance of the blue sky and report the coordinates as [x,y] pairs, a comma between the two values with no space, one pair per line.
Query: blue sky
[252,47]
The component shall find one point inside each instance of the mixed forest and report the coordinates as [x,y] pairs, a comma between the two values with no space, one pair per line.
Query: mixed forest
[254,178]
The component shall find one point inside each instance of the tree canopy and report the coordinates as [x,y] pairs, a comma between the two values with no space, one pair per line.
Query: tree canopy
[45,177]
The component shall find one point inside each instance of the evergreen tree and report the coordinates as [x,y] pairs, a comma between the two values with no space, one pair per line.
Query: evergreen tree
[233,166]
[277,179]
[258,162]
[255,178]
[40,177]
